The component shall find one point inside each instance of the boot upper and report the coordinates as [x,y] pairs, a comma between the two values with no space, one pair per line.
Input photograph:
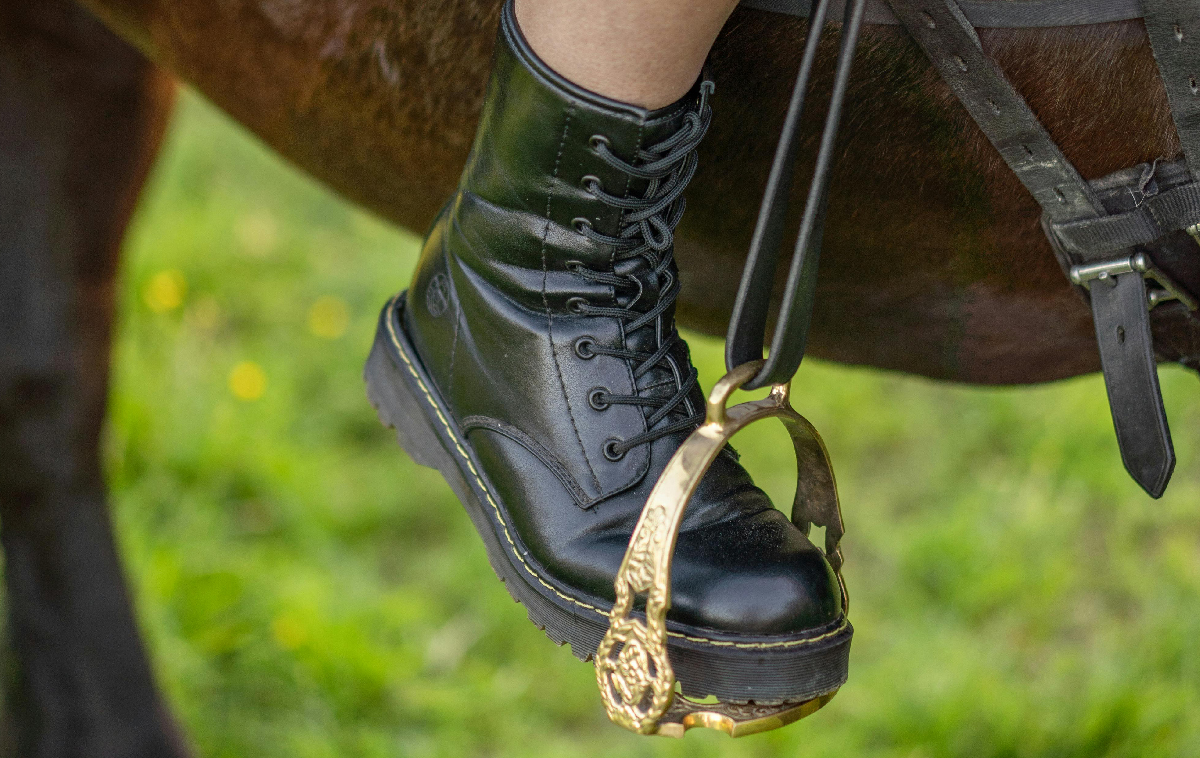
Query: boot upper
[543,309]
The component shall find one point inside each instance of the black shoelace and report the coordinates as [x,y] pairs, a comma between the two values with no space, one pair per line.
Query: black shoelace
[647,232]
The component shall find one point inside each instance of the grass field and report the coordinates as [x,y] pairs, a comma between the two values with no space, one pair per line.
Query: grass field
[308,591]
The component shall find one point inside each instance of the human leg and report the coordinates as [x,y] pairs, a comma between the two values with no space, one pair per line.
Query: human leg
[535,362]
[644,52]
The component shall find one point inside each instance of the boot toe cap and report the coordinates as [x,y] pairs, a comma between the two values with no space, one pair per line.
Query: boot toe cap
[758,575]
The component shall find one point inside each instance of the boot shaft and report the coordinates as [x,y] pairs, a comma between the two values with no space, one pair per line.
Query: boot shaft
[538,156]
[543,303]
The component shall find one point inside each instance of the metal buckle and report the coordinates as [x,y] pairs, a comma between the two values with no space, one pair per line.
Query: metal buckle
[633,670]
[1140,263]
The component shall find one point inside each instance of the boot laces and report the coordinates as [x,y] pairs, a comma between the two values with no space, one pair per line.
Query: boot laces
[648,232]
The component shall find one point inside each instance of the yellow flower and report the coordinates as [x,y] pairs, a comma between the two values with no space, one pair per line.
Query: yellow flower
[247,381]
[328,317]
[165,291]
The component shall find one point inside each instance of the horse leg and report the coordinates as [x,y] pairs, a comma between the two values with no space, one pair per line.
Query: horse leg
[81,116]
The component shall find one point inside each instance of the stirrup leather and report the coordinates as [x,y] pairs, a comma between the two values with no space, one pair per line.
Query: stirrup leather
[633,670]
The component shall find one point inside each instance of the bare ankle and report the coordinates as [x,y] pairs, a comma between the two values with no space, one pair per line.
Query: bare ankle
[644,52]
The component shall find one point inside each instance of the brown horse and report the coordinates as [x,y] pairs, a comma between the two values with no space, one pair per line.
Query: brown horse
[933,262]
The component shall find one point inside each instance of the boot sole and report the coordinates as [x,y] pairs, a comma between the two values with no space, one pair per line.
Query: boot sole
[731,667]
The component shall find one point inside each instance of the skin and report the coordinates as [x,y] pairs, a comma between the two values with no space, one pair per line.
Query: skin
[933,261]
[645,52]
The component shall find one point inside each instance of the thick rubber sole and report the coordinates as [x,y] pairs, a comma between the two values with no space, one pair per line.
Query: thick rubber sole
[731,667]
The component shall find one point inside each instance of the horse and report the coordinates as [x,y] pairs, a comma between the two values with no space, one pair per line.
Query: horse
[933,264]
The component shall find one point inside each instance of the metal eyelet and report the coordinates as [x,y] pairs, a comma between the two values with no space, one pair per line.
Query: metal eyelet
[594,398]
[591,183]
[580,223]
[583,348]
[577,304]
[610,449]
[597,140]
[573,266]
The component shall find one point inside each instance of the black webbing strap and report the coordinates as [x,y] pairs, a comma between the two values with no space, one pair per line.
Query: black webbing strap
[748,324]
[994,14]
[1118,298]
[1154,218]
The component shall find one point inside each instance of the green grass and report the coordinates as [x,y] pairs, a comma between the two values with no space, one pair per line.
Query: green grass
[308,591]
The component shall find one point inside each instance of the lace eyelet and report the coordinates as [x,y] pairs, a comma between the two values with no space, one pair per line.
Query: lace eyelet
[610,449]
[591,184]
[580,223]
[594,398]
[577,304]
[583,348]
[597,140]
[573,266]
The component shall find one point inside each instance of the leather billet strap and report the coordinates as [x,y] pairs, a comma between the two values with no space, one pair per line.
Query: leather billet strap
[951,43]
[1122,323]
[748,324]
[993,14]
[1174,30]
[1119,297]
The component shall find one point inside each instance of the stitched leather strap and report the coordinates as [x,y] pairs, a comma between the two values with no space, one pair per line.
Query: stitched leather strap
[996,14]
[1119,302]
[1122,323]
[947,37]
[1174,30]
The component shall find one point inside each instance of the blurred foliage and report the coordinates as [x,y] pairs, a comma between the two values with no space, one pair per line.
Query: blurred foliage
[308,591]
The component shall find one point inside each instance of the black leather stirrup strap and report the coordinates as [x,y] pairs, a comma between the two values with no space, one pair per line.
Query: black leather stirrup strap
[1116,285]
[747,327]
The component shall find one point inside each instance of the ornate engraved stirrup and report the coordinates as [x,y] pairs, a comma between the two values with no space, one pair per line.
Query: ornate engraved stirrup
[633,670]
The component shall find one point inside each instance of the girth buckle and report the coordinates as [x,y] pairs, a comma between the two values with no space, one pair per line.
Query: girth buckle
[1107,271]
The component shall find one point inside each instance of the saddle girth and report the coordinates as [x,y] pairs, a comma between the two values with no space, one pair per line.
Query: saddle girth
[1112,236]
[1106,249]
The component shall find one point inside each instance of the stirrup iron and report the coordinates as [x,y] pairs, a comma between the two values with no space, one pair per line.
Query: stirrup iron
[633,670]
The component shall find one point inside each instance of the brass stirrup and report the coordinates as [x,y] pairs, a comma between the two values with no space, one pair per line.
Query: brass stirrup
[633,670]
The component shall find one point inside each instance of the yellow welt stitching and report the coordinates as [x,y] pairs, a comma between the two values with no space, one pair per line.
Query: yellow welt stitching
[504,525]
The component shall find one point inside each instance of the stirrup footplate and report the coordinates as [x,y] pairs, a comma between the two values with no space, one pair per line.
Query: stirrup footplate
[633,670]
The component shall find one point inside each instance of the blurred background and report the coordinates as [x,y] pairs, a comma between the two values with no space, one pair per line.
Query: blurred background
[308,591]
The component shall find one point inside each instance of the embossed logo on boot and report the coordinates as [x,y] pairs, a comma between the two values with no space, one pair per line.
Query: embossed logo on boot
[437,295]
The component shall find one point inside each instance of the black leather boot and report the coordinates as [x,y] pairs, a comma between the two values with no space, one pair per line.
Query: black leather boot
[535,363]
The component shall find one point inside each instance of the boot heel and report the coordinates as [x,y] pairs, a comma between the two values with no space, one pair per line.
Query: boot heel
[398,409]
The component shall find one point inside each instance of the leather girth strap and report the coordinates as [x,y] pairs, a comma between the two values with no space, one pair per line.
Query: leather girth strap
[1174,30]
[1104,250]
